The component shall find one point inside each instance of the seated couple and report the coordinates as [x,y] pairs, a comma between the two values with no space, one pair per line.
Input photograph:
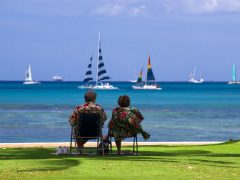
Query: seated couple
[125,121]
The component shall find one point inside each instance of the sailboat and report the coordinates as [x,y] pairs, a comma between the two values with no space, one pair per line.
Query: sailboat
[28,78]
[101,73]
[234,76]
[150,81]
[192,78]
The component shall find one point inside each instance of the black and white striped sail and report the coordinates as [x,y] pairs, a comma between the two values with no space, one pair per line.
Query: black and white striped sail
[101,73]
[88,75]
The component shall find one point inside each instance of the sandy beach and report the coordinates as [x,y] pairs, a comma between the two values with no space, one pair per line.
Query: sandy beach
[91,144]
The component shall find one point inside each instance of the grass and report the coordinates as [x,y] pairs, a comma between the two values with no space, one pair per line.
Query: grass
[155,162]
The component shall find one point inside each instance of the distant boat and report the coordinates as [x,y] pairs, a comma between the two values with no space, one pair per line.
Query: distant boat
[57,78]
[101,73]
[150,83]
[133,81]
[28,78]
[234,76]
[192,78]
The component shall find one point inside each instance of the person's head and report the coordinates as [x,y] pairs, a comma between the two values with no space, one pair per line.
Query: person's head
[90,96]
[124,101]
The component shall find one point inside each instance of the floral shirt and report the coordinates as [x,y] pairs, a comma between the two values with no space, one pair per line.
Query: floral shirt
[87,106]
[125,122]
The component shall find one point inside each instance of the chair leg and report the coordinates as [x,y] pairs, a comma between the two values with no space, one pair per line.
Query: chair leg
[70,149]
[110,140]
[102,146]
[136,145]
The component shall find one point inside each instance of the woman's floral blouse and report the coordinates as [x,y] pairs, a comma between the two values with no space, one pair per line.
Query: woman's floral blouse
[125,122]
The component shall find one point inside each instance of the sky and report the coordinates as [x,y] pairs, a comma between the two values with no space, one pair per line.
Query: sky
[60,36]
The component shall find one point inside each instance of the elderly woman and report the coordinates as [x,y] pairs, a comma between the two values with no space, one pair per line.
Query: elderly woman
[125,122]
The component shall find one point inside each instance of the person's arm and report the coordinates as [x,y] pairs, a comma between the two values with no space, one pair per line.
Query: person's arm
[138,115]
[73,117]
[110,124]
[103,117]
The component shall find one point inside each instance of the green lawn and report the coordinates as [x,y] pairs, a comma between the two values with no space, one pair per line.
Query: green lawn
[155,162]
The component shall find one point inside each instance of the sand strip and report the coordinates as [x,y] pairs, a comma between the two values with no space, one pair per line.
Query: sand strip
[92,144]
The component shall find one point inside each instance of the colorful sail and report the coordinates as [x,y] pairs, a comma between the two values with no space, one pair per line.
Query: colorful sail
[88,75]
[101,73]
[139,80]
[150,75]
[234,73]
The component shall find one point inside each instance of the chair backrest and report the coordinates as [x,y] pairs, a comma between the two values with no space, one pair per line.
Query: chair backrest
[88,124]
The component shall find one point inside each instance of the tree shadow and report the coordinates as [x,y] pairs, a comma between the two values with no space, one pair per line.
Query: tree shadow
[53,165]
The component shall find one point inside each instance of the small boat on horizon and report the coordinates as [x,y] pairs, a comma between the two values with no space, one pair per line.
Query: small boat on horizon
[192,78]
[150,83]
[28,78]
[234,76]
[101,74]
[57,78]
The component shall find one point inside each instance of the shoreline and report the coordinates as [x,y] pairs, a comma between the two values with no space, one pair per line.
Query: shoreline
[92,144]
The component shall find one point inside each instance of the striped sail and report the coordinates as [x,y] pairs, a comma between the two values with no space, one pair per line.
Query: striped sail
[150,75]
[101,73]
[234,73]
[139,80]
[88,75]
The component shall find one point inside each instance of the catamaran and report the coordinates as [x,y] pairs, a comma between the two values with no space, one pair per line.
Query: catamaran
[28,78]
[192,78]
[150,81]
[101,73]
[234,76]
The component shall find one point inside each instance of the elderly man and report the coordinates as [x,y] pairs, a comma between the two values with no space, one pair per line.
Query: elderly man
[90,98]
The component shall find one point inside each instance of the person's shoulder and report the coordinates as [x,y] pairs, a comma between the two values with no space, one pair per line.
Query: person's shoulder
[98,106]
[116,109]
[79,107]
[133,108]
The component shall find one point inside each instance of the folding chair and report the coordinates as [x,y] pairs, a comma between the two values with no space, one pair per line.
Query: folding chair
[134,146]
[88,126]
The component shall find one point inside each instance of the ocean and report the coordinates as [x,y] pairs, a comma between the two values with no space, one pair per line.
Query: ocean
[178,112]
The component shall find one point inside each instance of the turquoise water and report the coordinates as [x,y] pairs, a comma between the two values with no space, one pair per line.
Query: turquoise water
[179,112]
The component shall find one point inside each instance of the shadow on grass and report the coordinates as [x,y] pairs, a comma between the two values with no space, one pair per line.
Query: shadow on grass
[53,165]
[44,160]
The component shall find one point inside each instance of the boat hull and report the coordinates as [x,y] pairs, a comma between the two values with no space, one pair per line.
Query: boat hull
[31,82]
[234,82]
[106,86]
[147,87]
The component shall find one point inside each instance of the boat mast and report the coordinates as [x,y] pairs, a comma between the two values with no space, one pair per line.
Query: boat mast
[98,58]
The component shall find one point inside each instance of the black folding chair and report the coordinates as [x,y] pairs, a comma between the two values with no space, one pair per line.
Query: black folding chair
[88,126]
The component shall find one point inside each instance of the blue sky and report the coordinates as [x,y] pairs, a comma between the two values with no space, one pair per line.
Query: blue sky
[59,36]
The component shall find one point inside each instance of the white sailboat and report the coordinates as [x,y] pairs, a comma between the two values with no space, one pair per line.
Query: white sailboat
[234,76]
[192,78]
[150,83]
[101,73]
[28,78]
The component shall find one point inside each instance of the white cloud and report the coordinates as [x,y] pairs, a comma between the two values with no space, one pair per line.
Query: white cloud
[139,7]
[117,7]
[202,6]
